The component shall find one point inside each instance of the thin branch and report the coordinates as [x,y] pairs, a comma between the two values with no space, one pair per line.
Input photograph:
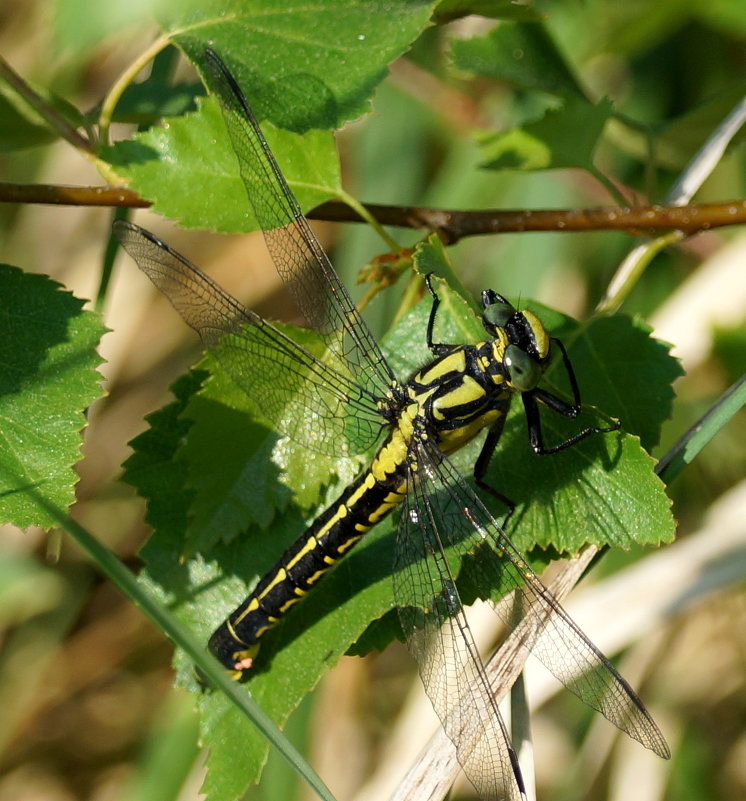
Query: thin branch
[123,81]
[42,107]
[58,195]
[451,224]
[455,225]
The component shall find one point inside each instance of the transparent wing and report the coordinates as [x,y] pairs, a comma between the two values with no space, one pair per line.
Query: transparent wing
[440,640]
[443,521]
[297,254]
[308,399]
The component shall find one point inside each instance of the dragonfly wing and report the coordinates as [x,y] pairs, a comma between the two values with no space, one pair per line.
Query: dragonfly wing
[439,638]
[529,608]
[289,384]
[300,260]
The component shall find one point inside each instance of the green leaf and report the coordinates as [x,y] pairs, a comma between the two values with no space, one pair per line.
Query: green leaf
[155,472]
[602,491]
[48,378]
[430,256]
[195,151]
[301,66]
[240,490]
[565,137]
[521,54]
[168,592]
[626,372]
[203,589]
[306,644]
[236,756]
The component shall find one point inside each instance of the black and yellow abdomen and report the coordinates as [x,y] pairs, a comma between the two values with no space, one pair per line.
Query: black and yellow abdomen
[451,399]
[365,502]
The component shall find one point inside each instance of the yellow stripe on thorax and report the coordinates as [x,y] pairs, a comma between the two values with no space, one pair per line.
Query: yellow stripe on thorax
[467,391]
[452,363]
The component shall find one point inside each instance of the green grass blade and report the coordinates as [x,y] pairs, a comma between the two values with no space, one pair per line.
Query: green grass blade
[687,448]
[210,668]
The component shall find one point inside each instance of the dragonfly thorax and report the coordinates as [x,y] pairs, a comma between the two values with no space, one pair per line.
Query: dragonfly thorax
[460,392]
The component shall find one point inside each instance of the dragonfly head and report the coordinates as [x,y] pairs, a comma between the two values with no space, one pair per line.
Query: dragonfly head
[527,343]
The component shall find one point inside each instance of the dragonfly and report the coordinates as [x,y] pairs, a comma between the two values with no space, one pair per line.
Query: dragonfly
[348,400]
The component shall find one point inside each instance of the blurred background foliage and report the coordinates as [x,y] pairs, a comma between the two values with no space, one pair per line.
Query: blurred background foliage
[88,712]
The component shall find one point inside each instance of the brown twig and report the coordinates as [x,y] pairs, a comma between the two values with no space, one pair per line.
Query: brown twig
[59,195]
[452,225]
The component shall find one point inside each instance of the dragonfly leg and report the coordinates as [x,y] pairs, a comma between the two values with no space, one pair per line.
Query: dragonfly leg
[436,348]
[482,463]
[535,434]
[570,410]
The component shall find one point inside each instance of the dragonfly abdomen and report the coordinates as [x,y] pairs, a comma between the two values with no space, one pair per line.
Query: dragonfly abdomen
[364,503]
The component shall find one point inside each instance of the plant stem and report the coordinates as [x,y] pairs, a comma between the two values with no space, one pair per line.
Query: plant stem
[209,667]
[122,82]
[50,115]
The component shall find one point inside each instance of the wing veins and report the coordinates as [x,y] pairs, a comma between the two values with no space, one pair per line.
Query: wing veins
[299,258]
[218,317]
[545,628]
[440,639]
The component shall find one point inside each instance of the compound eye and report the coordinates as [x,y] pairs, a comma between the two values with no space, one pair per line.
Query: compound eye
[523,372]
[498,314]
